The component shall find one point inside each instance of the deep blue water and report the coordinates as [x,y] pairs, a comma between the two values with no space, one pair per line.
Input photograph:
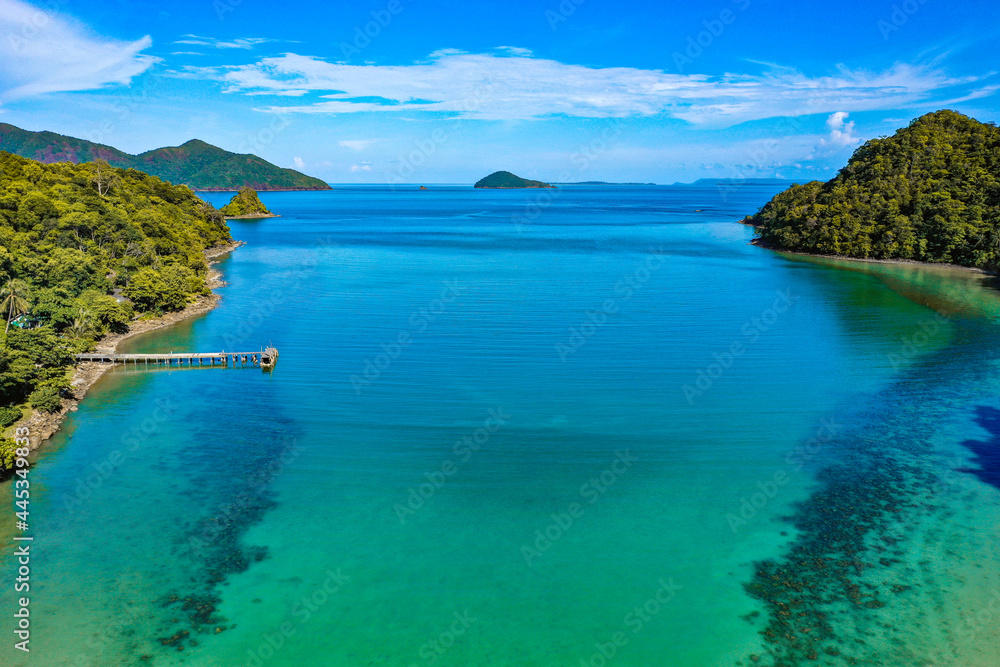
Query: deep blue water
[534,428]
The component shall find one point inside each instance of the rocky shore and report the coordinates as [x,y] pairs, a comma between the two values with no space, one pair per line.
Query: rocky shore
[43,425]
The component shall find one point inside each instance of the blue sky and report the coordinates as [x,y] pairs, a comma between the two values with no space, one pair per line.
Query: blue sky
[424,91]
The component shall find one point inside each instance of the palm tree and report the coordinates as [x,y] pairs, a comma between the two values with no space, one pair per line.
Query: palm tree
[15,300]
[83,324]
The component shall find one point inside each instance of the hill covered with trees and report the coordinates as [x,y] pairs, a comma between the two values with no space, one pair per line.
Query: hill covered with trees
[931,193]
[245,204]
[505,179]
[72,238]
[195,163]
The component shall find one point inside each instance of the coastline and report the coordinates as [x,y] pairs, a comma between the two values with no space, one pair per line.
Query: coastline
[758,243]
[43,425]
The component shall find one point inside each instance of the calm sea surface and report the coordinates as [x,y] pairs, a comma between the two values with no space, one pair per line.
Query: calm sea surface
[583,427]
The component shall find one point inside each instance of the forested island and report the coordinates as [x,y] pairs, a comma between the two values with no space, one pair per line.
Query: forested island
[505,179]
[246,204]
[84,250]
[195,163]
[929,193]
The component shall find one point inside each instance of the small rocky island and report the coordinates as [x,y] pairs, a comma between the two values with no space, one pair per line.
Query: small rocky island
[505,179]
[246,205]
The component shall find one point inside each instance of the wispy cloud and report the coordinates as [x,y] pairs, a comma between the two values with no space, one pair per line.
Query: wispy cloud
[239,43]
[841,132]
[44,52]
[510,85]
[357,144]
[357,168]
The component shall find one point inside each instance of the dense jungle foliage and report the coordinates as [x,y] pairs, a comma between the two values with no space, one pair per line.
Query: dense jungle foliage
[931,192]
[84,250]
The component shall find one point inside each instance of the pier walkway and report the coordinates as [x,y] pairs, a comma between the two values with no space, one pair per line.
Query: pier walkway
[262,358]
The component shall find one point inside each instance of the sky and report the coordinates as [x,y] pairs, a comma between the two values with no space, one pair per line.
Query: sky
[435,91]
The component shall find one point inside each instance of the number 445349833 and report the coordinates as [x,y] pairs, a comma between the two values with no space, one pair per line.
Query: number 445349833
[21,485]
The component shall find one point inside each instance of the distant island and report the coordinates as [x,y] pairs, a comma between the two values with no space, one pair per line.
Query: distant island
[927,193]
[599,183]
[196,164]
[738,181]
[505,179]
[246,205]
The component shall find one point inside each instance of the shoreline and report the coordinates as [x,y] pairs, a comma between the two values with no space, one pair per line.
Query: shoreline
[916,262]
[43,425]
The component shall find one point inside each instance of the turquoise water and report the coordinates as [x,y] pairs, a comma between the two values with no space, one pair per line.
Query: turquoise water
[594,429]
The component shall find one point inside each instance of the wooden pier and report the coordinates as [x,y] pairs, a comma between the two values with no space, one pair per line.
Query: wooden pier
[264,359]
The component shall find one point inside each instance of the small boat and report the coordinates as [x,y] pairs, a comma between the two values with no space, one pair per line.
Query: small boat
[268,359]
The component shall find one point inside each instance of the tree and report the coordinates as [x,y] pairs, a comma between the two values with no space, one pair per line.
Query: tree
[931,192]
[83,324]
[105,177]
[15,300]
[46,398]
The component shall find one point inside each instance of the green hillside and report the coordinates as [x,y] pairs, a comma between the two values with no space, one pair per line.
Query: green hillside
[505,179]
[196,164]
[73,236]
[931,192]
[245,203]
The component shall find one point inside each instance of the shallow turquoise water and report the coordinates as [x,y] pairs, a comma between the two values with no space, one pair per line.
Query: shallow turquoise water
[501,438]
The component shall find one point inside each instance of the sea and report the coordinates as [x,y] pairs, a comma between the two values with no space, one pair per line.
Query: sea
[577,427]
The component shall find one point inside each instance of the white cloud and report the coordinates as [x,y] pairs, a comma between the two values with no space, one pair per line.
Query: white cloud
[515,50]
[357,144]
[44,52]
[841,132]
[299,163]
[516,86]
[239,43]
[364,166]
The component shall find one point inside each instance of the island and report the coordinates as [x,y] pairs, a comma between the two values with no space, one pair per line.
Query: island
[506,180]
[196,164]
[928,193]
[246,205]
[599,183]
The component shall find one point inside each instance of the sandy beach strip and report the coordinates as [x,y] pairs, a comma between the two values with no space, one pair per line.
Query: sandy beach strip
[43,425]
